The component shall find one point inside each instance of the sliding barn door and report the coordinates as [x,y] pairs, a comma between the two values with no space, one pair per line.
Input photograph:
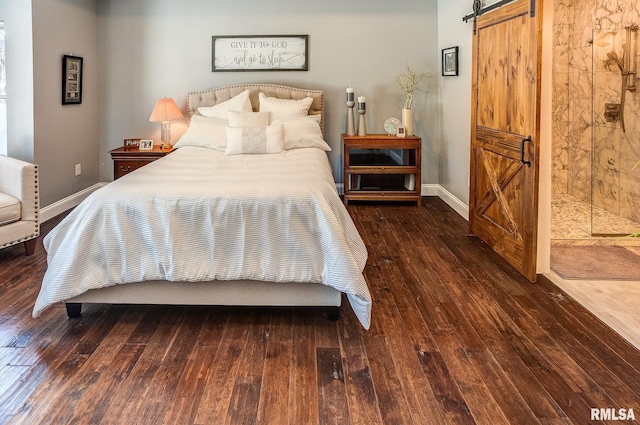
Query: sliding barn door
[505,131]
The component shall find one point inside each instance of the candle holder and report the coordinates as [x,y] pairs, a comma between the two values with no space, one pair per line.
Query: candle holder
[362,126]
[351,128]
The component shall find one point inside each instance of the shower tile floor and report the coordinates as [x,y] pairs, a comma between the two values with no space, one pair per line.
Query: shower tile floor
[571,220]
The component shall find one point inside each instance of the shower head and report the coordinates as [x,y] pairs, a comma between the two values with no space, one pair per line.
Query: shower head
[613,57]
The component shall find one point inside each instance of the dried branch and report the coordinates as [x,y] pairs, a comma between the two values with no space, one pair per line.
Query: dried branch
[408,81]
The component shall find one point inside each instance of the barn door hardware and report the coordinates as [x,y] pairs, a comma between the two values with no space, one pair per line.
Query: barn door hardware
[479,10]
[522,143]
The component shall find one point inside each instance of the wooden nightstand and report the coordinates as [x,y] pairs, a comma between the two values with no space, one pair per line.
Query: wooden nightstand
[125,160]
[382,167]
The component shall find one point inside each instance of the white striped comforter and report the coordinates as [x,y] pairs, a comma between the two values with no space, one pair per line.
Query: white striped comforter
[197,215]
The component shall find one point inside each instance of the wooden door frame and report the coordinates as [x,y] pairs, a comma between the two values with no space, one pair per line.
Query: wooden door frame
[545,184]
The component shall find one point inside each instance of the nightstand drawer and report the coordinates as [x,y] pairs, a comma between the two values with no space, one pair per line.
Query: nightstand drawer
[126,160]
[120,168]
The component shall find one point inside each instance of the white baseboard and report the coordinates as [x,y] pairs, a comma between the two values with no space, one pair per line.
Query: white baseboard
[50,211]
[455,203]
[442,193]
[434,190]
[430,190]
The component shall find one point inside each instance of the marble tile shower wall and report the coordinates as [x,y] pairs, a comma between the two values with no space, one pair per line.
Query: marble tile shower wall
[584,32]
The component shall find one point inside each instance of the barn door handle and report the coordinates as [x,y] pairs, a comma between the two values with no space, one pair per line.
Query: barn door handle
[528,163]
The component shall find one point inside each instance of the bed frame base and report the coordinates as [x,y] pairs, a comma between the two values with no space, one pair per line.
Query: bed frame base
[74,311]
[221,293]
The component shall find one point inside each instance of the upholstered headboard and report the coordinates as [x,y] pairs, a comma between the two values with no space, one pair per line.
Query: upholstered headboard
[211,97]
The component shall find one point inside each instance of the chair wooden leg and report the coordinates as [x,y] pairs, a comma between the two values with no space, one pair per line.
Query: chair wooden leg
[30,246]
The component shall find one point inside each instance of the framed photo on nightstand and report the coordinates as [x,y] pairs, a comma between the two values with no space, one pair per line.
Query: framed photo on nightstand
[146,145]
[132,143]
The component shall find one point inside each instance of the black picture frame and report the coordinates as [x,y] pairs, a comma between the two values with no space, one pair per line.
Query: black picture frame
[71,79]
[450,62]
[233,53]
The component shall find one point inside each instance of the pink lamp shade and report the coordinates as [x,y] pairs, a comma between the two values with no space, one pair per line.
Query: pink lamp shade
[164,112]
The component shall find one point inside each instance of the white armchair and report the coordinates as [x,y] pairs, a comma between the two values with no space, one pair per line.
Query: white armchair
[19,203]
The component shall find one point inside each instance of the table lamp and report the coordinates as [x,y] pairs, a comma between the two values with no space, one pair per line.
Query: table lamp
[164,112]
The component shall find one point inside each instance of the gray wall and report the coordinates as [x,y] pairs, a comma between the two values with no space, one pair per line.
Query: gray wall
[146,49]
[65,135]
[455,95]
[150,49]
[39,128]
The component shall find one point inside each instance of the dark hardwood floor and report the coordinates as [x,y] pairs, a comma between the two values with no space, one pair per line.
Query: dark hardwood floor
[458,337]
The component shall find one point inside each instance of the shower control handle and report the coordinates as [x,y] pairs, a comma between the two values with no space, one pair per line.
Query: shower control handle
[612,112]
[527,163]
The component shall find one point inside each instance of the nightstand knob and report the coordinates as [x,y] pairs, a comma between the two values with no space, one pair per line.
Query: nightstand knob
[125,170]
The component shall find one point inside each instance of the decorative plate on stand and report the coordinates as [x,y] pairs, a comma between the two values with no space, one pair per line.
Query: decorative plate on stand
[391,126]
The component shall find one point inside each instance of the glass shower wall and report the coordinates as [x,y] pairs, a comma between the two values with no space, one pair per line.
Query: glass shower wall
[615,181]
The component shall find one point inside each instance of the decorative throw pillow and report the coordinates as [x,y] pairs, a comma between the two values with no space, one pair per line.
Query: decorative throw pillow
[284,108]
[302,132]
[252,140]
[205,132]
[239,102]
[248,119]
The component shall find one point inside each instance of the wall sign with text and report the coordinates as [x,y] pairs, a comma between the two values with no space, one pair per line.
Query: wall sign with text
[260,53]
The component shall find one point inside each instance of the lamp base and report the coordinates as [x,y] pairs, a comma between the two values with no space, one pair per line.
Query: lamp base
[165,135]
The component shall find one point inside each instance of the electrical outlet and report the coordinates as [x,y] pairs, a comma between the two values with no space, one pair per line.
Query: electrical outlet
[78,169]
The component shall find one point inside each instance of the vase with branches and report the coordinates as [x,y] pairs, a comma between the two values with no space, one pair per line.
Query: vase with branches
[408,81]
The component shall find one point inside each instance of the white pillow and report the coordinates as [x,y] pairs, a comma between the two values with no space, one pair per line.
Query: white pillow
[205,132]
[302,132]
[239,102]
[284,108]
[251,140]
[248,119]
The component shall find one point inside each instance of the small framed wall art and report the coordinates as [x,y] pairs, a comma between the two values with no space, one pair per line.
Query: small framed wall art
[71,79]
[450,61]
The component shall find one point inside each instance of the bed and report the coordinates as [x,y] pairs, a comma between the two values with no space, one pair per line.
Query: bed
[207,225]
